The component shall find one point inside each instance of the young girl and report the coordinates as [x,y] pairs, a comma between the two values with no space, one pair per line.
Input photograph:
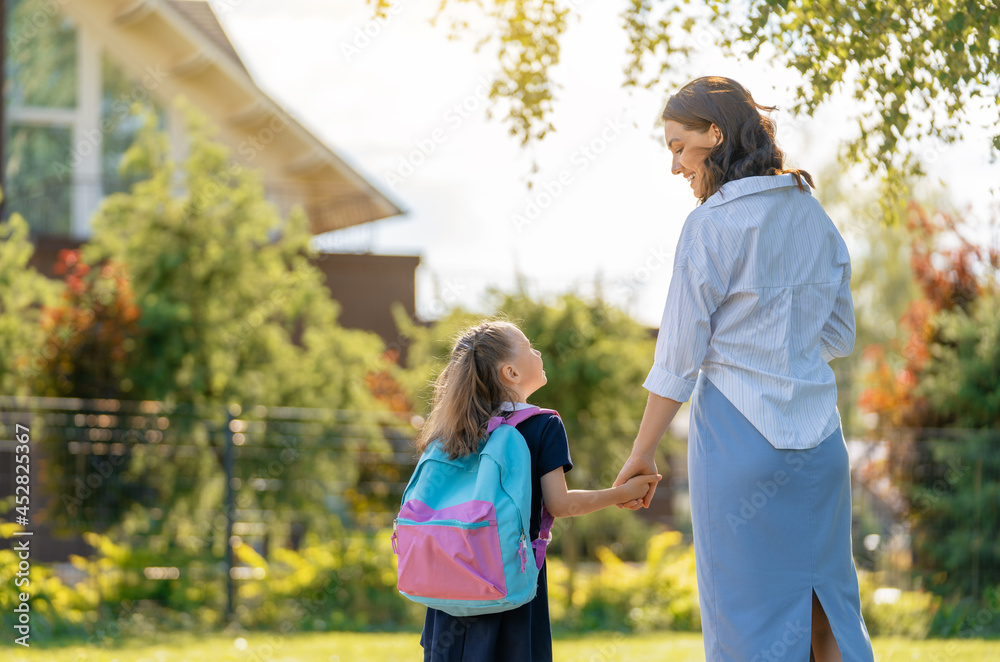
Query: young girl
[493,368]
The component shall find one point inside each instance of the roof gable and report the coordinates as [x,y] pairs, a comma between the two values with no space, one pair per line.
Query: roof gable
[178,48]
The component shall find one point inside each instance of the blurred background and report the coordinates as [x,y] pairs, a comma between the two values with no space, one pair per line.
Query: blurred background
[240,236]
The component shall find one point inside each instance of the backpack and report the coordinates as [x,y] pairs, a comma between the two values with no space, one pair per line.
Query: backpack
[461,536]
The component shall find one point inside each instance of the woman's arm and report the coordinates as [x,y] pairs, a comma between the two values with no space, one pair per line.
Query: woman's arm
[656,419]
[563,502]
[837,337]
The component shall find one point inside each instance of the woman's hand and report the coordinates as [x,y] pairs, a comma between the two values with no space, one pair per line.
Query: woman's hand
[636,487]
[637,465]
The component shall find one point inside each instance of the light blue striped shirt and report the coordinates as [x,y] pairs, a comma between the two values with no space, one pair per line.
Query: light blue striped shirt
[760,301]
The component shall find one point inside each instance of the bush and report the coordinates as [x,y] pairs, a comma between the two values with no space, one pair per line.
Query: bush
[968,618]
[896,612]
[349,583]
[56,609]
[342,584]
[660,593]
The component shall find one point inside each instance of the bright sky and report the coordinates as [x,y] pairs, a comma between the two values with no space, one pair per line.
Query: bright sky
[406,107]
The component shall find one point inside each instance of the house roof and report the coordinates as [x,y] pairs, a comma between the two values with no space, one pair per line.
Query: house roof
[179,48]
[199,13]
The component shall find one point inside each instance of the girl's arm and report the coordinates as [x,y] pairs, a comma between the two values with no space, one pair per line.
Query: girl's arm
[563,502]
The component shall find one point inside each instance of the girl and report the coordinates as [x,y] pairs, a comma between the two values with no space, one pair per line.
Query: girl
[759,303]
[493,368]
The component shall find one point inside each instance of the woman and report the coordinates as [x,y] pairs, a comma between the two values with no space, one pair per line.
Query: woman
[759,302]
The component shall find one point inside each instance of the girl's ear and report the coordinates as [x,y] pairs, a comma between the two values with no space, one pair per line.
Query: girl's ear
[509,372]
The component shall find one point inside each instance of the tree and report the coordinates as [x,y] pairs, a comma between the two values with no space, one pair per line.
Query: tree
[959,512]
[233,309]
[897,59]
[192,294]
[23,294]
[940,382]
[882,282]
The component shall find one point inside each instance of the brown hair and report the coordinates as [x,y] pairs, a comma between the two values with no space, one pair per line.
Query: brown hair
[747,148]
[469,391]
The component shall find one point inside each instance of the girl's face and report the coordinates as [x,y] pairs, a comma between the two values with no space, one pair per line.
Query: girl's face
[689,150]
[524,373]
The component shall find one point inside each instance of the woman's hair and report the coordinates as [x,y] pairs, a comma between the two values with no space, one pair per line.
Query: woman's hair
[747,148]
[469,391]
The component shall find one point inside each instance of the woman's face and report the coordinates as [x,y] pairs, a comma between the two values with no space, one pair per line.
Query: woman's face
[689,150]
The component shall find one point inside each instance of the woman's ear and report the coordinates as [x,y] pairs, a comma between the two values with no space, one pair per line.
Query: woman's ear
[717,134]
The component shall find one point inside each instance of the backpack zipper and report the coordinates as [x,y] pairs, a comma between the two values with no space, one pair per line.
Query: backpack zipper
[522,547]
[457,523]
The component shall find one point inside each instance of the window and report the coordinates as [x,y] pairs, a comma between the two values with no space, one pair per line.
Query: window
[40,94]
[41,55]
[119,126]
[56,76]
[33,188]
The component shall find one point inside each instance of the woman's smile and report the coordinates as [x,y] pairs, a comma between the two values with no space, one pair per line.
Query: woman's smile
[689,149]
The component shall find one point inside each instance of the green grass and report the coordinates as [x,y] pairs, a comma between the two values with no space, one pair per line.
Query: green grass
[397,647]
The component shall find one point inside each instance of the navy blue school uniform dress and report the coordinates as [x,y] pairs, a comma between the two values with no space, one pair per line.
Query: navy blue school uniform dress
[759,303]
[522,634]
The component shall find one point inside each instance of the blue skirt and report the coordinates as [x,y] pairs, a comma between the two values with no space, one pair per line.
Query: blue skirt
[770,528]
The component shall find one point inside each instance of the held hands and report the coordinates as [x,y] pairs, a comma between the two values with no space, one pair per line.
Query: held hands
[639,472]
[636,487]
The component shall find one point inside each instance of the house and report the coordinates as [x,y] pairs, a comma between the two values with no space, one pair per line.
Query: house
[73,70]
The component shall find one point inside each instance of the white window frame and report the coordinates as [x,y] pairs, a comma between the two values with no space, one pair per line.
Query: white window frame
[84,121]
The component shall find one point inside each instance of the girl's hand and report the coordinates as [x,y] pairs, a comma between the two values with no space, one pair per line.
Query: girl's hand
[636,487]
[638,465]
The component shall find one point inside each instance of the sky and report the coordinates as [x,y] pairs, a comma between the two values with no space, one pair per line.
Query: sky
[406,107]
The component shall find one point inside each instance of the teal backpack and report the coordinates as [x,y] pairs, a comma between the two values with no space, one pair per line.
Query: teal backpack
[461,536]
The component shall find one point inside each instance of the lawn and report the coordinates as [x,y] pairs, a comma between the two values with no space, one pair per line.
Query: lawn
[350,647]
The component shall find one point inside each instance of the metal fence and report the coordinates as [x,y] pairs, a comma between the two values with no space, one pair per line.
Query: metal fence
[213,476]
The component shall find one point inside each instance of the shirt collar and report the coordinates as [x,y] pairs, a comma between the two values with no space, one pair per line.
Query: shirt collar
[514,406]
[749,185]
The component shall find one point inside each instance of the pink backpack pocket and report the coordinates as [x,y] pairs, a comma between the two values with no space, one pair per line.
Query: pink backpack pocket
[449,554]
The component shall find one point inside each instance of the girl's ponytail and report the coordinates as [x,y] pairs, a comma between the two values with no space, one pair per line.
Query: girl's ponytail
[469,391]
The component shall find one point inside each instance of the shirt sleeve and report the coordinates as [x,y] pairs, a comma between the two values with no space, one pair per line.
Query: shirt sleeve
[553,447]
[837,337]
[686,328]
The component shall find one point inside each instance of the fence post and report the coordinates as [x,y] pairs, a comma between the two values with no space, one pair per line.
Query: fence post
[232,412]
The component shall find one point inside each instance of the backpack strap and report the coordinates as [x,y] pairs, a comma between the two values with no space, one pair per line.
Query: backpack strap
[544,537]
[545,531]
[517,417]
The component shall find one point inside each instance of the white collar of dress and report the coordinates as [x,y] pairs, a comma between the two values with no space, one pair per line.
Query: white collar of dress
[514,406]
